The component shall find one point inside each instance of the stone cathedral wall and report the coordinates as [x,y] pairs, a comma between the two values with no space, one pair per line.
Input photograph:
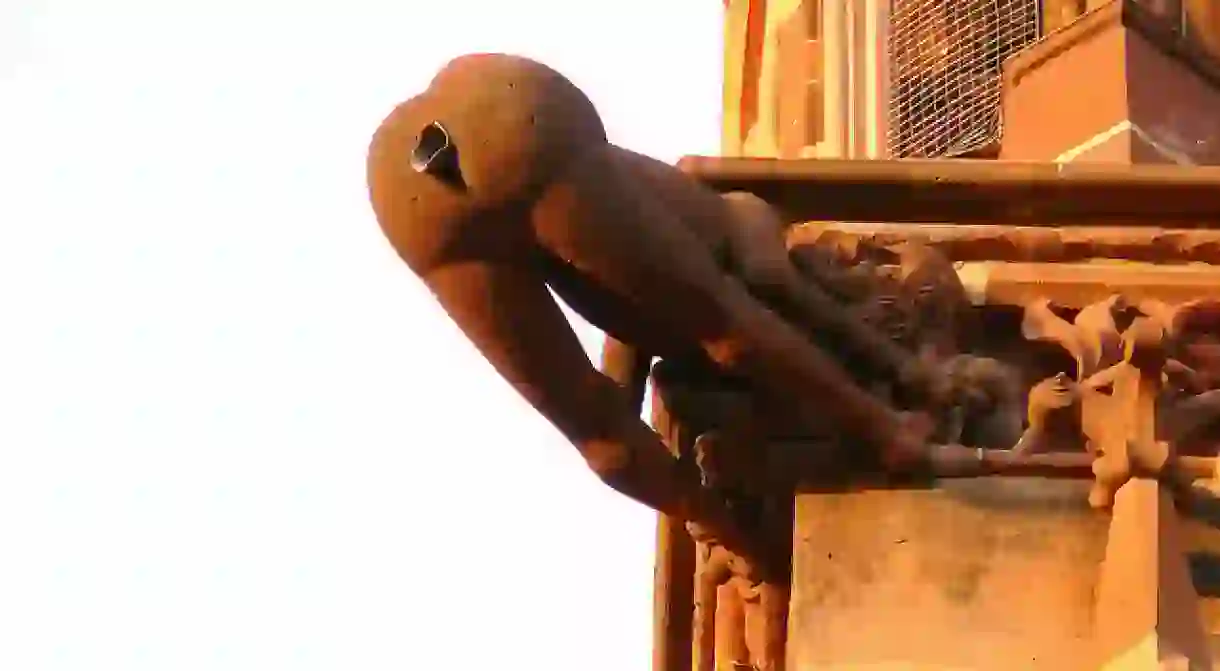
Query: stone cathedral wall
[774,78]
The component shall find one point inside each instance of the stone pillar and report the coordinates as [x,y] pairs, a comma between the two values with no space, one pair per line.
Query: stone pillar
[674,570]
[834,76]
[774,86]
[1118,85]
[743,22]
[805,78]
[1147,608]
[874,79]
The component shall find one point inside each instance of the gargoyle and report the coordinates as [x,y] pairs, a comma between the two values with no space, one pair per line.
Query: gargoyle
[498,182]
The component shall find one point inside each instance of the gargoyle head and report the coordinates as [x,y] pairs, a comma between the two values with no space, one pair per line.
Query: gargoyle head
[488,133]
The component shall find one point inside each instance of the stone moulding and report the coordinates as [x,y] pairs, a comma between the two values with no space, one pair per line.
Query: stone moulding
[1031,244]
[966,191]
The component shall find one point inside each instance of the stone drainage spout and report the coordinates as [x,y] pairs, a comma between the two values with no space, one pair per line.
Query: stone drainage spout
[435,154]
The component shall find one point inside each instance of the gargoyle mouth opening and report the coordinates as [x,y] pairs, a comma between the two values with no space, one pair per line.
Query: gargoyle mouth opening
[436,155]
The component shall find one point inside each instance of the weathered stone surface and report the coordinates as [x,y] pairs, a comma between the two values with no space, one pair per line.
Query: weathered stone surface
[990,574]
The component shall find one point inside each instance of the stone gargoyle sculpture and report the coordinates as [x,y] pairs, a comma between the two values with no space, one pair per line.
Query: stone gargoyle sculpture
[498,182]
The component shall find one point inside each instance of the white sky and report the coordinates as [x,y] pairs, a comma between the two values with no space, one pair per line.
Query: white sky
[235,432]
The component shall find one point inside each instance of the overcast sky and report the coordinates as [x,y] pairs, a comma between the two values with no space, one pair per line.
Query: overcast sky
[235,432]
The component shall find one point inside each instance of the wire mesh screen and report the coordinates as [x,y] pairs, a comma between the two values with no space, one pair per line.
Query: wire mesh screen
[945,58]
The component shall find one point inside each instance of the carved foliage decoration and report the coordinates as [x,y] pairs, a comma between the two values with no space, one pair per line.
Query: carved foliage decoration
[1136,398]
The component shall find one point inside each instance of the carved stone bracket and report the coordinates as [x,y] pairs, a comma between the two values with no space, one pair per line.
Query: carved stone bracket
[1120,403]
[1122,354]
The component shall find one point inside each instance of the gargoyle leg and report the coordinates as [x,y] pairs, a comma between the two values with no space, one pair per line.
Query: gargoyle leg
[607,222]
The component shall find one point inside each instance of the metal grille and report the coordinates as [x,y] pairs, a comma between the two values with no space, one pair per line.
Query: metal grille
[945,58]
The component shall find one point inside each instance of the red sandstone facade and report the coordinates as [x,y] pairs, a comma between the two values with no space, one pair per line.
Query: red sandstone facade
[997,572]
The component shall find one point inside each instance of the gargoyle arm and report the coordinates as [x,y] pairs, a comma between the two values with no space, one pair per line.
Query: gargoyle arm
[558,380]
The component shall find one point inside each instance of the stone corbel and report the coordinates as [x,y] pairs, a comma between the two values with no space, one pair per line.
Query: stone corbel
[1120,402]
